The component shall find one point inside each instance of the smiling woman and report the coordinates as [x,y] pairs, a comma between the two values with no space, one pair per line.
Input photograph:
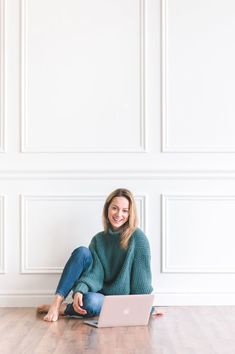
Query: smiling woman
[117,262]
[118,212]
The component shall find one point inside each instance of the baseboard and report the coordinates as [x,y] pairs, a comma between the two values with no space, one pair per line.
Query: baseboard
[161,299]
[195,299]
[26,299]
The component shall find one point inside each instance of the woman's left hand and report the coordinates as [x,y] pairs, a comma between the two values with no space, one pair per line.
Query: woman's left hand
[157,313]
[77,303]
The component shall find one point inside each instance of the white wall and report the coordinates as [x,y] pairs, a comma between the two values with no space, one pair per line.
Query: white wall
[97,95]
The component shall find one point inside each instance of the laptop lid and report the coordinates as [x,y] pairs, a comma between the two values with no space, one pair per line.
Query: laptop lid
[125,310]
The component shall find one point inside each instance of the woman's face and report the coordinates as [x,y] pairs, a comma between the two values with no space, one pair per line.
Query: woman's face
[118,212]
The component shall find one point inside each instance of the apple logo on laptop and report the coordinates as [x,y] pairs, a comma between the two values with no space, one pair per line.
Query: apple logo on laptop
[126,311]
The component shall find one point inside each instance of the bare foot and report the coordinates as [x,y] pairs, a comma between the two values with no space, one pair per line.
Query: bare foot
[54,310]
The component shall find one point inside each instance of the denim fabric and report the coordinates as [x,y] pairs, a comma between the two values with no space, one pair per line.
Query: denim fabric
[78,262]
[92,303]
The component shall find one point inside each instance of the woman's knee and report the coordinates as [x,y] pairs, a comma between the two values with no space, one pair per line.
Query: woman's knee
[83,253]
[93,302]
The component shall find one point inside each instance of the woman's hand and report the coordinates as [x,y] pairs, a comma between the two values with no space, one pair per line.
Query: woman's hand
[157,312]
[77,303]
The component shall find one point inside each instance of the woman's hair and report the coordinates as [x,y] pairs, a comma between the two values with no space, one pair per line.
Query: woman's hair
[129,227]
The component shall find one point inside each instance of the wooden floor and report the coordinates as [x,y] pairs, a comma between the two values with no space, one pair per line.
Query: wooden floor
[182,330]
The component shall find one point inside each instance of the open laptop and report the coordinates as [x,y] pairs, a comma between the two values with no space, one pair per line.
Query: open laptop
[124,310]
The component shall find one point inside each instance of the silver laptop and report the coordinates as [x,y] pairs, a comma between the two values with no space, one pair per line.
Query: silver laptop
[124,310]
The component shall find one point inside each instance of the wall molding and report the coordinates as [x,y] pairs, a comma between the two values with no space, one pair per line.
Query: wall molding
[24,205]
[2,77]
[25,200]
[116,174]
[164,115]
[2,235]
[25,147]
[165,268]
[166,147]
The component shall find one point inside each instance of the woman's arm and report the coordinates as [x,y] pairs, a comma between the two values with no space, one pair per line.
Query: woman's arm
[141,277]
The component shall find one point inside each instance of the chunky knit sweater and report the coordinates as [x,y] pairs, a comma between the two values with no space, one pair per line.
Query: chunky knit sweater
[117,271]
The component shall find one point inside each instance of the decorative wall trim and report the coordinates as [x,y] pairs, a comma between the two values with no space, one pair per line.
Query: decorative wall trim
[164,115]
[116,175]
[164,256]
[2,76]
[25,267]
[165,146]
[23,74]
[143,120]
[2,234]
[25,148]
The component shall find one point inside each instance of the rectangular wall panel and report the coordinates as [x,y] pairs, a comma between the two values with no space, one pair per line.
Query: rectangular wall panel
[2,76]
[82,76]
[2,230]
[198,234]
[198,75]
[59,223]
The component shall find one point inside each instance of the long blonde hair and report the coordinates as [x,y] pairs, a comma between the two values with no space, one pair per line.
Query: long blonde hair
[131,224]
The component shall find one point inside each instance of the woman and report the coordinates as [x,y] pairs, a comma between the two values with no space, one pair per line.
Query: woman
[116,263]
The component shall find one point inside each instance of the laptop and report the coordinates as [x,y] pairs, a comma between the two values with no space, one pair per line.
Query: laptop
[124,310]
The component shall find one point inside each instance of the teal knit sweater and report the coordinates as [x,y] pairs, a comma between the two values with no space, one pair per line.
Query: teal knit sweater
[116,271]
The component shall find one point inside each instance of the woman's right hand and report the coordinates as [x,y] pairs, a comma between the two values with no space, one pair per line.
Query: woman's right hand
[77,303]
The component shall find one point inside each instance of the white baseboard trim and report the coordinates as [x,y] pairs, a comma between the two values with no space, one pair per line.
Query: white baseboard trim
[24,301]
[161,299]
[27,300]
[195,299]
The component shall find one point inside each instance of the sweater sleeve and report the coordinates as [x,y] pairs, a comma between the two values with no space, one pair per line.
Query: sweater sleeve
[141,277]
[92,279]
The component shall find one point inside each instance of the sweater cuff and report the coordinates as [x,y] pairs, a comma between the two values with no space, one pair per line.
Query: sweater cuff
[81,288]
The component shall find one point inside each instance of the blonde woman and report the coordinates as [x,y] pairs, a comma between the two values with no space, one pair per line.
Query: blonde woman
[117,262]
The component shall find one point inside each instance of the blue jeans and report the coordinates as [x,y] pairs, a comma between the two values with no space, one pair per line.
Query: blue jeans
[78,262]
